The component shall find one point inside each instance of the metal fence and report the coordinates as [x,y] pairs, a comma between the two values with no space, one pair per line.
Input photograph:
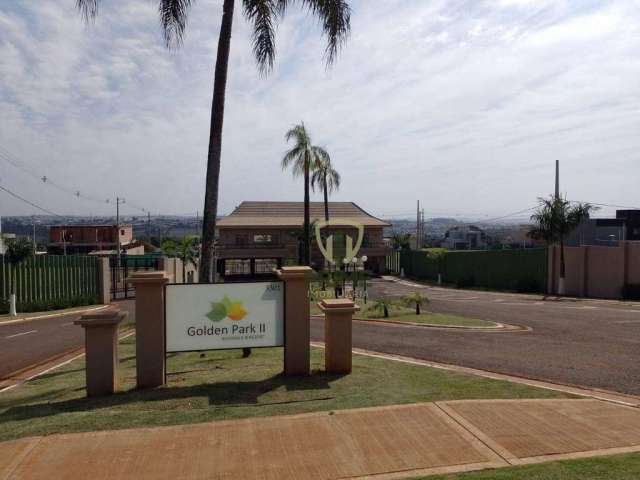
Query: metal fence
[522,270]
[50,279]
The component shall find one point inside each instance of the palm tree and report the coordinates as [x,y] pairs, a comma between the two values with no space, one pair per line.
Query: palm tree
[186,250]
[326,178]
[401,241]
[554,220]
[303,158]
[335,18]
[382,305]
[416,299]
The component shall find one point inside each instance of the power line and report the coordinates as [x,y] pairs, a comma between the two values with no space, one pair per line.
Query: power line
[13,194]
[606,205]
[11,159]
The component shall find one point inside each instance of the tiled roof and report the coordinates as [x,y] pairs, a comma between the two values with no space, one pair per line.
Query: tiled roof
[291,214]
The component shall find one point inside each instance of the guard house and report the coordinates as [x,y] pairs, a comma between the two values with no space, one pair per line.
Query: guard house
[258,237]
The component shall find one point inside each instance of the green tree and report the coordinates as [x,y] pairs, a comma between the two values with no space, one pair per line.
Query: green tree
[382,305]
[401,241]
[263,15]
[325,178]
[556,218]
[186,250]
[416,299]
[303,158]
[17,251]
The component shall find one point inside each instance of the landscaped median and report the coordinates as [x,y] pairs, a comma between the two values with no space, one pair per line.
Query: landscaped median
[399,314]
[221,385]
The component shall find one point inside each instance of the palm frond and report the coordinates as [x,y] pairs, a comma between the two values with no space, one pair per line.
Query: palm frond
[264,15]
[173,18]
[88,9]
[335,16]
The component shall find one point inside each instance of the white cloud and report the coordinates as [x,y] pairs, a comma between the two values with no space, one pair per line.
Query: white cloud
[462,104]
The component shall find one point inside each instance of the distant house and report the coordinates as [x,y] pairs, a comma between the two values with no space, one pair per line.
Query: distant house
[464,237]
[92,239]
[3,241]
[258,237]
[607,231]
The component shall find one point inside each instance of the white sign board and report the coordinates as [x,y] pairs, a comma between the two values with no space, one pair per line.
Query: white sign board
[224,315]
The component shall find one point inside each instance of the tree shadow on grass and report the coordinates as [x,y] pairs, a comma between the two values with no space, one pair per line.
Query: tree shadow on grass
[223,394]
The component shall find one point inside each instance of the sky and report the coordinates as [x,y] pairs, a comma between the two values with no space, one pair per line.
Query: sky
[463,105]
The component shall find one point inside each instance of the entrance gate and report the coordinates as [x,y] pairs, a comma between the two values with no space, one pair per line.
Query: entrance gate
[127,265]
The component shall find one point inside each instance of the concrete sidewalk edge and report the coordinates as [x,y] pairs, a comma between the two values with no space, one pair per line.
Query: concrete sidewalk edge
[597,394]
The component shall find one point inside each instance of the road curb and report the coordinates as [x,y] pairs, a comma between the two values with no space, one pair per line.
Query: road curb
[581,391]
[49,315]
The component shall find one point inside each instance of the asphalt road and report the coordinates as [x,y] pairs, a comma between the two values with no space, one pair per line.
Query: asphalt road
[579,342]
[585,342]
[25,344]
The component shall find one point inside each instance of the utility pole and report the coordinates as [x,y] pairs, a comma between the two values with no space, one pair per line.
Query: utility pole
[422,239]
[418,226]
[118,202]
[557,179]
[149,228]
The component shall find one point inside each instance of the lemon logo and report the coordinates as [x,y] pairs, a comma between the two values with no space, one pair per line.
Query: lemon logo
[226,308]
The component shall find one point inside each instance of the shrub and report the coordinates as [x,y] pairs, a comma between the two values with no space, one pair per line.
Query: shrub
[51,304]
[631,291]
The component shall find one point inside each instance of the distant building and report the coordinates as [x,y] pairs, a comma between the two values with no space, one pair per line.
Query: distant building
[607,231]
[258,237]
[92,239]
[512,236]
[465,237]
[3,241]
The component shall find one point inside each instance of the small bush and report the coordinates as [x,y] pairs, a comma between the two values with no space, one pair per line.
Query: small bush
[528,285]
[631,291]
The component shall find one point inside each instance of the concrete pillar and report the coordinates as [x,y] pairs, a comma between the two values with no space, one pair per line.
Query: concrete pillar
[337,334]
[150,348]
[104,281]
[101,350]
[297,325]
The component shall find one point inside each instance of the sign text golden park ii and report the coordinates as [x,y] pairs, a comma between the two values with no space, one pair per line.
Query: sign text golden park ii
[221,316]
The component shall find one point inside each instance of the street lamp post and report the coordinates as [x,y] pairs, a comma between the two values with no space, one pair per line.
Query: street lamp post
[364,258]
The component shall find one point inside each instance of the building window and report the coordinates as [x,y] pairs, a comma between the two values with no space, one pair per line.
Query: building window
[266,265]
[263,238]
[241,239]
[237,267]
[122,231]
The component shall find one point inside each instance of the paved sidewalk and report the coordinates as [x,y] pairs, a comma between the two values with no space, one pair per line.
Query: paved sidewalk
[383,443]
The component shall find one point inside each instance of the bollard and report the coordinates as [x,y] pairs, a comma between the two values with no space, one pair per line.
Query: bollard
[297,326]
[150,348]
[101,350]
[337,334]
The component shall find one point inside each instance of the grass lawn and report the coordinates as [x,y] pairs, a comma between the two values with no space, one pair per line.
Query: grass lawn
[432,319]
[617,467]
[221,385]
[404,314]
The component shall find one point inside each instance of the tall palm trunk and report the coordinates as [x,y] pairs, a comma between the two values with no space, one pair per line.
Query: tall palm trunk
[215,144]
[307,222]
[326,196]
